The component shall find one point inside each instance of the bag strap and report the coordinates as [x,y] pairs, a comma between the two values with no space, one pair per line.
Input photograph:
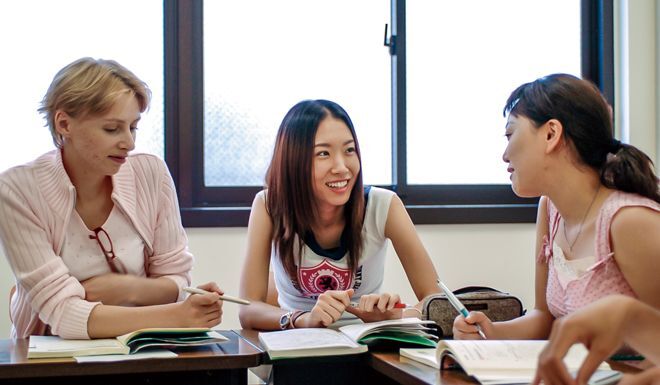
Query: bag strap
[472,289]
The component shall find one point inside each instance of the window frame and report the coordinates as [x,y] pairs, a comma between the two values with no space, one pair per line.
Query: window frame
[203,206]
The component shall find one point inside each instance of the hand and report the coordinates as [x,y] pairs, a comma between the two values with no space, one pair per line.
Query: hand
[110,289]
[648,377]
[202,310]
[598,327]
[211,287]
[377,307]
[328,309]
[465,328]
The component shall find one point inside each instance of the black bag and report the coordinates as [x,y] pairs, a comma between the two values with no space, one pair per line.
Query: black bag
[497,305]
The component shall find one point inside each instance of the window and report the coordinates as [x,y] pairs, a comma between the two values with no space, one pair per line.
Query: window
[463,58]
[218,69]
[227,91]
[41,37]
[285,52]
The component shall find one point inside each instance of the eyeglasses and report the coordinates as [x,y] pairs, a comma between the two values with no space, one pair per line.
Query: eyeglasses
[105,243]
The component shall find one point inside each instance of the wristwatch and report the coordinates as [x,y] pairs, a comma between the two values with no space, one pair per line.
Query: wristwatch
[285,320]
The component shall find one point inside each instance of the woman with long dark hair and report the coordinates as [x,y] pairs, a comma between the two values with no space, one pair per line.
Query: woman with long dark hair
[324,234]
[599,214]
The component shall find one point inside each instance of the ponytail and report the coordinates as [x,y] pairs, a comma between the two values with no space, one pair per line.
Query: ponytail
[628,169]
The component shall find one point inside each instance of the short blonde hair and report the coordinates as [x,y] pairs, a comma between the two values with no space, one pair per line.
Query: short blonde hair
[90,87]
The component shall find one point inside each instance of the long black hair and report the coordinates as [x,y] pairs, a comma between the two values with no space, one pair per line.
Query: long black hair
[290,197]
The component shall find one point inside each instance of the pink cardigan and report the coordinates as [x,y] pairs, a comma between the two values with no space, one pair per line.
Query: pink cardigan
[36,204]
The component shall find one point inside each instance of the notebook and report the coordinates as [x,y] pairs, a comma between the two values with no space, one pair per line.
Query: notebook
[503,361]
[54,346]
[349,339]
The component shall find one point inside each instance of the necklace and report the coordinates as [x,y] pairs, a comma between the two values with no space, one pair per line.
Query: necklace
[571,244]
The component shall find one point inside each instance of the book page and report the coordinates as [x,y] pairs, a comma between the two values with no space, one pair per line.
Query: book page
[424,355]
[55,344]
[506,359]
[308,338]
[496,354]
[161,332]
[357,331]
[127,357]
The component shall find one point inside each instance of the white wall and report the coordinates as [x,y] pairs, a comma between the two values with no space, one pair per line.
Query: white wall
[495,255]
[462,254]
[637,46]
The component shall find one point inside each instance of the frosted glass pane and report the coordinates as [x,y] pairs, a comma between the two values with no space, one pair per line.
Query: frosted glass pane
[463,60]
[40,37]
[261,57]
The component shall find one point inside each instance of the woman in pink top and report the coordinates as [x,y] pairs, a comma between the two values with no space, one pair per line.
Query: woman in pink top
[93,234]
[599,206]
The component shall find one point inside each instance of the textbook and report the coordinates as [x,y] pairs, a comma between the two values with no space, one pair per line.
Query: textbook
[349,339]
[426,356]
[54,346]
[507,361]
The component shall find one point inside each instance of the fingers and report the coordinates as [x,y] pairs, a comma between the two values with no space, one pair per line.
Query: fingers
[211,286]
[386,301]
[204,310]
[330,306]
[342,296]
[326,314]
[465,328]
[565,333]
[551,367]
[377,307]
[552,370]
[205,299]
[382,302]
[213,315]
[596,355]
[476,317]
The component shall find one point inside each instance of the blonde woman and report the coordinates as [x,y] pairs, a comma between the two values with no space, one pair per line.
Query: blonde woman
[92,233]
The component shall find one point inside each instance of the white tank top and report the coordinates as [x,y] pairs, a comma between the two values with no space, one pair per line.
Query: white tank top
[83,256]
[317,273]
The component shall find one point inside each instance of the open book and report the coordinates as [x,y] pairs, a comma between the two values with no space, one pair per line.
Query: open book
[506,361]
[349,339]
[53,346]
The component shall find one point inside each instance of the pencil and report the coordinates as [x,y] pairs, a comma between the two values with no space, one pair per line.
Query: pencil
[460,308]
[224,297]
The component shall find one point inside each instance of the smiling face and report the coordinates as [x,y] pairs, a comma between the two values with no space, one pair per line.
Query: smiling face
[98,145]
[335,164]
[525,155]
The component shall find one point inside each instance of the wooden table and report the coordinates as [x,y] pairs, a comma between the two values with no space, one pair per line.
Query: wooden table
[406,371]
[403,370]
[224,363]
[375,367]
[340,370]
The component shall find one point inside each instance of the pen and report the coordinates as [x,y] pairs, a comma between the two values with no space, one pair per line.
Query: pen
[459,306]
[224,297]
[398,305]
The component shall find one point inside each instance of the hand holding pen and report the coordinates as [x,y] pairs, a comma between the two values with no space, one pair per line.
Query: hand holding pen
[224,297]
[460,308]
[378,307]
[379,302]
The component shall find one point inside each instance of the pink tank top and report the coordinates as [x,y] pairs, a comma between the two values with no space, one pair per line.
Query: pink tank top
[604,277]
